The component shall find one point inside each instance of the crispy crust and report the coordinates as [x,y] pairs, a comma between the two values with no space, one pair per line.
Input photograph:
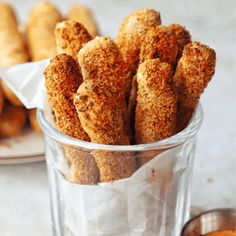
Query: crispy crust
[130,37]
[132,33]
[40,26]
[84,15]
[12,120]
[193,73]
[156,102]
[100,104]
[70,37]
[183,37]
[160,43]
[63,78]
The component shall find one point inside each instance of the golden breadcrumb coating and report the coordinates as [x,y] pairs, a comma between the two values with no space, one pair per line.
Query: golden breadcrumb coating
[12,120]
[156,102]
[183,37]
[130,38]
[62,79]
[39,30]
[155,116]
[84,15]
[100,104]
[132,33]
[33,120]
[70,37]
[1,99]
[193,73]
[13,49]
[160,43]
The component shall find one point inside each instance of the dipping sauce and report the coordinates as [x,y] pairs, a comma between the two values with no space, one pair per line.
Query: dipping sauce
[222,233]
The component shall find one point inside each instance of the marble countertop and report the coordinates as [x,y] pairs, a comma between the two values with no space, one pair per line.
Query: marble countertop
[24,195]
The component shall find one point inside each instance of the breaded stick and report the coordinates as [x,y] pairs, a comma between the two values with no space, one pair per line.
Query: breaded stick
[155,116]
[84,15]
[13,50]
[1,99]
[193,73]
[183,37]
[70,37]
[160,43]
[63,78]
[12,120]
[100,104]
[39,30]
[131,36]
[132,33]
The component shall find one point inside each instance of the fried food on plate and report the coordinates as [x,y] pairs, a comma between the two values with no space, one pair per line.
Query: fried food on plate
[1,99]
[12,120]
[62,79]
[33,120]
[39,30]
[193,73]
[84,15]
[100,104]
[155,115]
[13,49]
[70,37]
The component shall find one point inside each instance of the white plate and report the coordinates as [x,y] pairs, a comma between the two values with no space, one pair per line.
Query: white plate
[24,148]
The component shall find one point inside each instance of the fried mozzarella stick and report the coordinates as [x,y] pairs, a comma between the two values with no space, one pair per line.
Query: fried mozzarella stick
[62,79]
[39,30]
[70,37]
[160,43]
[183,36]
[100,104]
[193,73]
[13,50]
[84,15]
[155,116]
[131,36]
[12,120]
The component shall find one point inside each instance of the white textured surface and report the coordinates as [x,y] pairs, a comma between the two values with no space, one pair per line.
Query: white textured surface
[24,199]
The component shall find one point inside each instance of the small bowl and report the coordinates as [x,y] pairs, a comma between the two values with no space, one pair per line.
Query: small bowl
[211,221]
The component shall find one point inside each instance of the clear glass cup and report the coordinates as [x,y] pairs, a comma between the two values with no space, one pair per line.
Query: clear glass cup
[154,200]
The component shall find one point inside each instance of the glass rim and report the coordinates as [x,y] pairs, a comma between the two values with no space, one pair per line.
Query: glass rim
[175,140]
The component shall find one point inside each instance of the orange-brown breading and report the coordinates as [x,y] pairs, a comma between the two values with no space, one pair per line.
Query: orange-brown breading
[12,120]
[100,104]
[130,38]
[13,49]
[183,37]
[63,78]
[155,116]
[39,30]
[156,102]
[193,73]
[132,33]
[160,43]
[70,37]
[84,15]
